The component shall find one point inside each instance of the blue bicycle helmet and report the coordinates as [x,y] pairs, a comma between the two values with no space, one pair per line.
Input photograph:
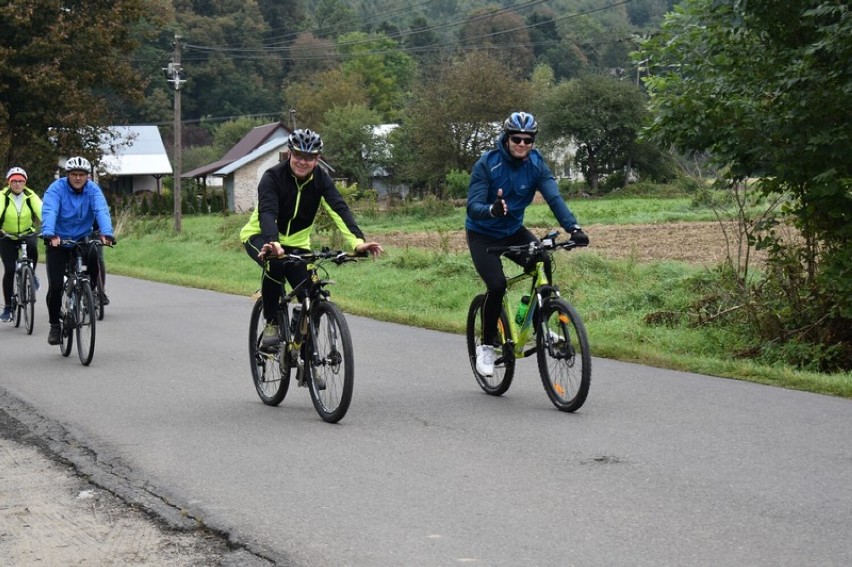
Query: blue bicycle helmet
[520,122]
[305,141]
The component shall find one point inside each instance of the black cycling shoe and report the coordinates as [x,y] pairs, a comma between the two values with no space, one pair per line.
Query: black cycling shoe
[54,337]
[104,299]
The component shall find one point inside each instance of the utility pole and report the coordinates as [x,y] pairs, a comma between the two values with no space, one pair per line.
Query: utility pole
[174,75]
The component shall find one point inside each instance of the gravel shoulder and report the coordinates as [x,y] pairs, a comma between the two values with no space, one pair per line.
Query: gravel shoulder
[60,506]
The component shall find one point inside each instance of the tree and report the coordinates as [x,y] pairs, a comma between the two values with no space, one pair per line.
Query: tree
[309,54]
[56,65]
[312,98]
[602,115]
[764,88]
[505,31]
[229,71]
[382,66]
[454,117]
[349,143]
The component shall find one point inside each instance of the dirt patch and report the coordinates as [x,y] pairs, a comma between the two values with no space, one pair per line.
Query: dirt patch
[50,516]
[700,243]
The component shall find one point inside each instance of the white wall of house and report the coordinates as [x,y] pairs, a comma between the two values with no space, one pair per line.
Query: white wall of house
[246,179]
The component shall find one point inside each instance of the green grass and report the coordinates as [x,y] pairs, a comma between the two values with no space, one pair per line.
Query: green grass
[433,289]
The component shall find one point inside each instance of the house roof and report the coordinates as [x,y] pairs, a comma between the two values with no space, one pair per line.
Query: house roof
[134,150]
[249,143]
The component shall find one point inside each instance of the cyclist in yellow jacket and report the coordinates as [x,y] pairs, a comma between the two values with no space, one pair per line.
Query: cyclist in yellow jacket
[289,196]
[20,207]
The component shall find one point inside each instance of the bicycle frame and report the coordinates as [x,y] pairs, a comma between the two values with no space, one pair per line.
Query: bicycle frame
[523,333]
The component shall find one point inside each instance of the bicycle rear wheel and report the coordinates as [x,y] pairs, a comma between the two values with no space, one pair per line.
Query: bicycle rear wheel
[26,298]
[85,324]
[564,360]
[504,366]
[269,370]
[332,378]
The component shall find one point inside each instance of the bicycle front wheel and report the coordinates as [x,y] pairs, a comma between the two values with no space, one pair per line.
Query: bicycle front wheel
[85,325]
[27,298]
[68,318]
[98,291]
[504,366]
[332,376]
[17,299]
[269,369]
[564,360]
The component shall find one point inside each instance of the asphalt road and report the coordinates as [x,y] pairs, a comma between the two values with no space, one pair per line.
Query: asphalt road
[658,468]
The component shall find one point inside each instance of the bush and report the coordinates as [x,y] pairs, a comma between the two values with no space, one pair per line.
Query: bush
[457,182]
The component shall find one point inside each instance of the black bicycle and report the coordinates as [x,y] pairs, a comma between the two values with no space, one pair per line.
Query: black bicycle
[314,340]
[79,311]
[24,285]
[544,324]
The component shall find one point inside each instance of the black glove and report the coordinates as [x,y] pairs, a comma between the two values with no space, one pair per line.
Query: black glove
[498,209]
[580,237]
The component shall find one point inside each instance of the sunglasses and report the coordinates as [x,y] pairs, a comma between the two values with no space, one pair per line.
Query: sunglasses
[522,140]
[305,158]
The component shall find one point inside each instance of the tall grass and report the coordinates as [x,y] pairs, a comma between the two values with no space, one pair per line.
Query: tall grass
[433,288]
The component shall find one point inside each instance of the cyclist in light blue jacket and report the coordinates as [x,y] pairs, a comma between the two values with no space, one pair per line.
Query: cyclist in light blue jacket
[70,207]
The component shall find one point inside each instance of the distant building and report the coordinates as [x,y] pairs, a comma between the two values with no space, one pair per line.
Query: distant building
[133,160]
[242,166]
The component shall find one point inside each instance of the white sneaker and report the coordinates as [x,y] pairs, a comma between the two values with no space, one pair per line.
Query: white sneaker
[485,360]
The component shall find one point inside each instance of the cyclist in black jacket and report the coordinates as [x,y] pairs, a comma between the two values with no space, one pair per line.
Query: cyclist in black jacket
[289,196]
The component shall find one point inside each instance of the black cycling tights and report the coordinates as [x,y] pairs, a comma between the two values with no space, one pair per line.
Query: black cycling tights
[271,287]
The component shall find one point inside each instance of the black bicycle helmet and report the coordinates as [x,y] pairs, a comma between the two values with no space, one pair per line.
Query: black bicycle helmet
[520,122]
[305,141]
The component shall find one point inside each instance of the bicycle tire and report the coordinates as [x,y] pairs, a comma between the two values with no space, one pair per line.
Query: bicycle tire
[68,318]
[17,303]
[498,383]
[270,371]
[84,326]
[565,364]
[26,298]
[98,289]
[336,368]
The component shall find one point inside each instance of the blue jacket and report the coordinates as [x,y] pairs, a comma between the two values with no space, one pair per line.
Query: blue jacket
[70,215]
[519,179]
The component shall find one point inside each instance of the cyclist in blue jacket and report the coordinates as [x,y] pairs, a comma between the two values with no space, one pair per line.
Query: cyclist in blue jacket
[71,206]
[502,185]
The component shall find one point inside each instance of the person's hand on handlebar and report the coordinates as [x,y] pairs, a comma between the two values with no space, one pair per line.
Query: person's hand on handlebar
[580,237]
[273,249]
[374,249]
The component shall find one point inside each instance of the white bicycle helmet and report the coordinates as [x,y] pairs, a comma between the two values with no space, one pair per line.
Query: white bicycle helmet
[16,171]
[78,163]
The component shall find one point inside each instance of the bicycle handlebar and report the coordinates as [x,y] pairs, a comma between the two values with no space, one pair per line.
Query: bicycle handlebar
[547,243]
[95,241]
[336,256]
[18,235]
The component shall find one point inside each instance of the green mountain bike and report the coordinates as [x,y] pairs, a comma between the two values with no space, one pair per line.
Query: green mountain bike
[545,325]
